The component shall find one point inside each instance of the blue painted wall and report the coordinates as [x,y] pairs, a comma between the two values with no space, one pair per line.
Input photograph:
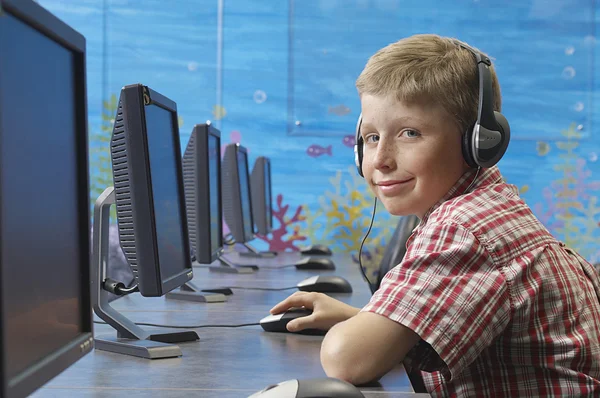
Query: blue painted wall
[283,86]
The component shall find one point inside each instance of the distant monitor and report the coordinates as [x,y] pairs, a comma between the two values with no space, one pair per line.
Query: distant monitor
[260,184]
[149,194]
[237,203]
[45,308]
[202,181]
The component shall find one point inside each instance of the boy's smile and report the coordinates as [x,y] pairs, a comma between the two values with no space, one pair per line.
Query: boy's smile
[412,153]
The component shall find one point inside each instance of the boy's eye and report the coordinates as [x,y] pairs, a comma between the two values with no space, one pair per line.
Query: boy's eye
[411,133]
[371,138]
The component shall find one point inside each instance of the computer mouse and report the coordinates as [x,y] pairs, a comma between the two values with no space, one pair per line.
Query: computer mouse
[321,250]
[325,284]
[310,388]
[312,263]
[277,323]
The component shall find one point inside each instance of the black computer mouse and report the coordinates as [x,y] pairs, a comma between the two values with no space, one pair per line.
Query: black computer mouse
[320,250]
[277,323]
[310,388]
[325,284]
[312,263]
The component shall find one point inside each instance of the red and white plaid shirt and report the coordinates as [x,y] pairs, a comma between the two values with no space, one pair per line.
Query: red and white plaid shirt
[503,309]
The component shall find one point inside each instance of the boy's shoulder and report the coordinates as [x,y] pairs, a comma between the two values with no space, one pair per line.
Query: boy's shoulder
[483,204]
[497,216]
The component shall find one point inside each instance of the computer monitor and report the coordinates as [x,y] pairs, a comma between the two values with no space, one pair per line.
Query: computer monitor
[237,203]
[202,181]
[149,194]
[45,308]
[260,184]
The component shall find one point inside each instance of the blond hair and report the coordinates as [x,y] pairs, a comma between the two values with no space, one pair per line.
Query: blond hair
[428,67]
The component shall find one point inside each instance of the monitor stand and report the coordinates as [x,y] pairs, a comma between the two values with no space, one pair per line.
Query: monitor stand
[252,252]
[231,268]
[191,292]
[131,339]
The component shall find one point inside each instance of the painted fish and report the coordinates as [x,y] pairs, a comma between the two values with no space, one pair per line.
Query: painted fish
[339,110]
[317,150]
[349,141]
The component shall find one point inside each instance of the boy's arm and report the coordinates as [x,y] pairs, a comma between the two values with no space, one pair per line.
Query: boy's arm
[365,347]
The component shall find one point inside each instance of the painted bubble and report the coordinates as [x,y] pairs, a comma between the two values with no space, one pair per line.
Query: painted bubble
[192,66]
[259,96]
[568,72]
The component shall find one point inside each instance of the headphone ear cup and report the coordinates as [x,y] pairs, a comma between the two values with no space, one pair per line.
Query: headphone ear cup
[358,156]
[358,147]
[505,130]
[467,137]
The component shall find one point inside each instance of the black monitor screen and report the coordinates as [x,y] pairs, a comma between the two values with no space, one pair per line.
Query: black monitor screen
[168,213]
[242,161]
[268,202]
[39,207]
[214,181]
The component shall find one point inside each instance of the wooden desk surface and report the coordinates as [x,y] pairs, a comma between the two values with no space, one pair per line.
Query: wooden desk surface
[226,362]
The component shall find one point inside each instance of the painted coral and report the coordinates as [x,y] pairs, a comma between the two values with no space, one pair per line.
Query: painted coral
[280,238]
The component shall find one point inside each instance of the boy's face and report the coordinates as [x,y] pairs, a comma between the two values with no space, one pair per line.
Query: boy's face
[411,155]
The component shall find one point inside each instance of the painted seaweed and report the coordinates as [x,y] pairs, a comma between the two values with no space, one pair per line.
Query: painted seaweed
[570,210]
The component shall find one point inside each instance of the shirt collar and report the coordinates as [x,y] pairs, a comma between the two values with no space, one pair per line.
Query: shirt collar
[484,177]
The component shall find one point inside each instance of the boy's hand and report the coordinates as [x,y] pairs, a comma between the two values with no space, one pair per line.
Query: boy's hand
[327,311]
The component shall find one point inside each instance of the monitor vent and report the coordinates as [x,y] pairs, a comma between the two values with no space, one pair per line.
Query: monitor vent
[123,198]
[189,176]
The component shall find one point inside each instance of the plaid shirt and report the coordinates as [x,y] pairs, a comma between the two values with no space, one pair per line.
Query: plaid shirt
[503,309]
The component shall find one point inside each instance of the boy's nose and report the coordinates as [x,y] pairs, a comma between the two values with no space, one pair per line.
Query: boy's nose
[384,157]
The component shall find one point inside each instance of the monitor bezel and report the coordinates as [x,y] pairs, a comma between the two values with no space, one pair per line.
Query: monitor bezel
[230,178]
[52,365]
[259,199]
[202,134]
[134,99]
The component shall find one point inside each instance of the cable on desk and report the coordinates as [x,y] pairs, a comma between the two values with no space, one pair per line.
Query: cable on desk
[272,289]
[187,327]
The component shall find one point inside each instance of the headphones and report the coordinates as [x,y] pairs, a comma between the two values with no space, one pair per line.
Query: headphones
[483,144]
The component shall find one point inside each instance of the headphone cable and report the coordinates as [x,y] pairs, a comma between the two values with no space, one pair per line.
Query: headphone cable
[362,271]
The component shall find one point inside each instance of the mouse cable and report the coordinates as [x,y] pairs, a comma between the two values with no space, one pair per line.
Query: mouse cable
[362,271]
[187,327]
[271,289]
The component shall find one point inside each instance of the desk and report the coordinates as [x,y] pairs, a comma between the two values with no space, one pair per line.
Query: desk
[225,362]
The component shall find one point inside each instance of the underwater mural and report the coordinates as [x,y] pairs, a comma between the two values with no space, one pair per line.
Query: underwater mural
[285,84]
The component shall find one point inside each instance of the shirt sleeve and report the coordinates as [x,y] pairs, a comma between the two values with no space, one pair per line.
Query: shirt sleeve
[448,291]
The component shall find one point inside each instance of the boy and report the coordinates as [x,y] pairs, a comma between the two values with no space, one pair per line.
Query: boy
[485,302]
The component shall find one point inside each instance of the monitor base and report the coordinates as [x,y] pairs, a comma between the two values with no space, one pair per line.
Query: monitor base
[138,348]
[191,292]
[231,268]
[252,252]
[131,339]
[258,255]
[234,270]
